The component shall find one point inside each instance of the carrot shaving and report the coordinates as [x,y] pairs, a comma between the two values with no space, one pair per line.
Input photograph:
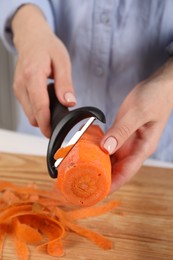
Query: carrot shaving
[35,217]
[27,192]
[5,185]
[10,197]
[55,248]
[62,152]
[91,211]
[22,250]
[13,211]
[3,231]
[98,239]
[26,233]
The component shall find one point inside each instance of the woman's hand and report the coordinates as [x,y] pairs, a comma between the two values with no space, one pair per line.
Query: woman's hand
[139,124]
[40,55]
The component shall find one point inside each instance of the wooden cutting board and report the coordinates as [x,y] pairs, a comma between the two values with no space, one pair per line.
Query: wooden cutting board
[141,228]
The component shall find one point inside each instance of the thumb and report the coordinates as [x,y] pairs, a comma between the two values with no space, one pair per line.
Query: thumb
[120,132]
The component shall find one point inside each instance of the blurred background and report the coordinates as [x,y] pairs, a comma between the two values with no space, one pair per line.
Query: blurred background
[11,114]
[7,100]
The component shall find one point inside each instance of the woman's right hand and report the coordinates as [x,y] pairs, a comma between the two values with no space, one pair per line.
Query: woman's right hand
[41,55]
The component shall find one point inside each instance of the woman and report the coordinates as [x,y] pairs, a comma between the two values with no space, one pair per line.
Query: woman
[110,54]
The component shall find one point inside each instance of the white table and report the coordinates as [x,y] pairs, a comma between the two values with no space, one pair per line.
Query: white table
[12,142]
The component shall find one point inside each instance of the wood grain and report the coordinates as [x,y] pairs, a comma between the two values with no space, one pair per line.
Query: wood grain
[141,228]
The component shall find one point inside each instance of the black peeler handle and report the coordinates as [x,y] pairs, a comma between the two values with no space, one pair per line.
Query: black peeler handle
[57,110]
[62,121]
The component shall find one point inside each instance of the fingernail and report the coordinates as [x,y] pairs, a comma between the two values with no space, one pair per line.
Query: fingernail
[110,144]
[70,98]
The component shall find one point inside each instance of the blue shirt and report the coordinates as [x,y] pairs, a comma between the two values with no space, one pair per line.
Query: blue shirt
[113,45]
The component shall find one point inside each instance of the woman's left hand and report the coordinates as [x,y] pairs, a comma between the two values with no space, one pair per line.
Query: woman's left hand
[138,125]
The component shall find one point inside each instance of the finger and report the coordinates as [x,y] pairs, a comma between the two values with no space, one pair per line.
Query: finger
[121,130]
[123,170]
[22,96]
[38,96]
[63,80]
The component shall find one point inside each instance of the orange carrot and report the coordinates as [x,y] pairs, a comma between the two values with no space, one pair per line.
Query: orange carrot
[84,176]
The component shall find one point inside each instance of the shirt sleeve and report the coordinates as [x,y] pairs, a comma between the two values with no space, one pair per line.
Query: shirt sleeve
[8,9]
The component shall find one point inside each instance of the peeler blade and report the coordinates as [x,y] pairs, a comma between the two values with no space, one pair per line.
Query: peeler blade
[75,139]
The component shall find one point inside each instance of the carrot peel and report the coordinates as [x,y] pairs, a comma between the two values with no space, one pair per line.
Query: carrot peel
[32,217]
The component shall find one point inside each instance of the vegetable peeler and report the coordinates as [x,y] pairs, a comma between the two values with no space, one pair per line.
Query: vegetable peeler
[62,121]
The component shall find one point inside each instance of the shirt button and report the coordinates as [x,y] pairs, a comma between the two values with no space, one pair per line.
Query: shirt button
[99,71]
[104,18]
